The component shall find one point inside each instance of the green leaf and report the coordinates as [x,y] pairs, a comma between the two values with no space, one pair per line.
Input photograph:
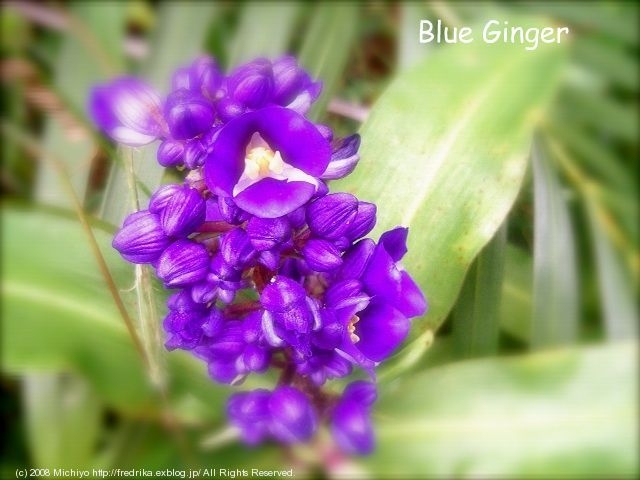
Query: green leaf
[444,152]
[59,316]
[517,299]
[180,36]
[476,316]
[256,35]
[63,419]
[326,47]
[90,51]
[555,281]
[569,413]
[618,303]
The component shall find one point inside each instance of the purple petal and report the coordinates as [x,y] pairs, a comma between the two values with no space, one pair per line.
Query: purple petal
[381,329]
[356,259]
[321,255]
[271,198]
[344,158]
[128,110]
[395,242]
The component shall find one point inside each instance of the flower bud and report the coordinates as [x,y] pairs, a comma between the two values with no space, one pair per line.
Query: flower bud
[331,215]
[321,255]
[161,197]
[230,211]
[141,239]
[293,417]
[351,427]
[344,158]
[267,233]
[171,153]
[236,249]
[252,83]
[188,114]
[183,263]
[364,221]
[183,212]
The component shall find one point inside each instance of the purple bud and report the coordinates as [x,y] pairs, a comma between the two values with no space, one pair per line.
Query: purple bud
[364,393]
[330,335]
[236,249]
[269,259]
[223,371]
[267,233]
[170,153]
[249,411]
[181,79]
[286,301]
[141,239]
[252,83]
[364,222]
[297,217]
[188,114]
[213,324]
[128,110]
[183,212]
[356,259]
[321,255]
[229,109]
[293,417]
[351,427]
[161,197]
[195,154]
[204,292]
[205,76]
[255,358]
[344,158]
[183,263]
[184,329]
[230,212]
[331,215]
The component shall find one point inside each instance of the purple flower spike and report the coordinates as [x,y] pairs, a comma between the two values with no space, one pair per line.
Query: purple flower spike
[344,158]
[188,114]
[128,110]
[183,263]
[331,216]
[351,425]
[268,160]
[321,255]
[293,417]
[141,239]
[183,212]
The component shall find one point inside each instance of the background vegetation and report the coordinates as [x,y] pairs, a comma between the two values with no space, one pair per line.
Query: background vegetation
[516,171]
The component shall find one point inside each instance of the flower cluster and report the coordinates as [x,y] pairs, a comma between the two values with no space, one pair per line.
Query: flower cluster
[270,270]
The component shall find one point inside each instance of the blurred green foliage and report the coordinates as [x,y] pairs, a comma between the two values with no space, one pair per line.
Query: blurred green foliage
[516,171]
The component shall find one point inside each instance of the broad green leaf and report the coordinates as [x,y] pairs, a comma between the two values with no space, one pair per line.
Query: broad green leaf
[410,50]
[63,419]
[555,280]
[609,61]
[617,299]
[257,34]
[59,316]
[327,45]
[567,413]
[91,50]
[476,316]
[179,38]
[444,152]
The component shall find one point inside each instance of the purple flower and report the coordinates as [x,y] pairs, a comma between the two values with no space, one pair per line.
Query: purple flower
[141,238]
[268,161]
[128,110]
